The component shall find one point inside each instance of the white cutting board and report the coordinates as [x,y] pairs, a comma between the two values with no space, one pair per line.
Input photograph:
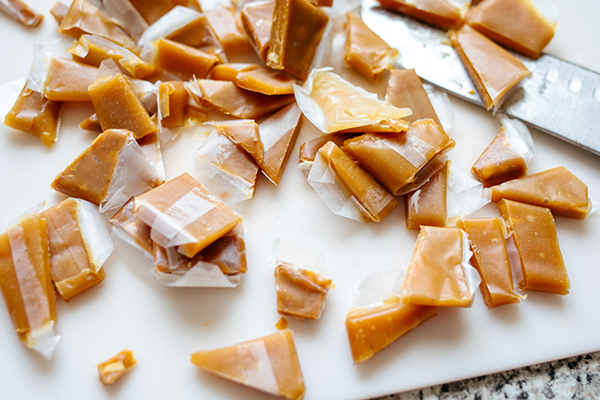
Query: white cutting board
[163,326]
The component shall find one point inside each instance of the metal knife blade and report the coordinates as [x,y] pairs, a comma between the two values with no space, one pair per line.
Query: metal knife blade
[561,99]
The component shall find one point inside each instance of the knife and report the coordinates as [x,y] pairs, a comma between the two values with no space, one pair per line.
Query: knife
[560,98]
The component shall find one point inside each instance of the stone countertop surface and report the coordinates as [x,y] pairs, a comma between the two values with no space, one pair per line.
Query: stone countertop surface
[572,378]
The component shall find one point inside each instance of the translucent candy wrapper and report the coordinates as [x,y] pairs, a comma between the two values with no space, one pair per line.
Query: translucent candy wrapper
[443,108]
[296,253]
[333,104]
[465,195]
[9,92]
[377,286]
[127,16]
[519,137]
[172,21]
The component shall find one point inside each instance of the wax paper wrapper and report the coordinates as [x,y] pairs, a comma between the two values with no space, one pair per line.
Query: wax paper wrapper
[464,196]
[519,137]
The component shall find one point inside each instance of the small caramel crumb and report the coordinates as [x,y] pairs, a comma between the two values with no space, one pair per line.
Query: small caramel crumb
[281,324]
[112,369]
[333,286]
[206,324]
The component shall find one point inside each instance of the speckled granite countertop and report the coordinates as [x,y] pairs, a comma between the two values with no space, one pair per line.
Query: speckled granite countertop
[572,378]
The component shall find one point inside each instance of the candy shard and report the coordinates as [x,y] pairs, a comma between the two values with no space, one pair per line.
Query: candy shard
[269,364]
[440,13]
[113,368]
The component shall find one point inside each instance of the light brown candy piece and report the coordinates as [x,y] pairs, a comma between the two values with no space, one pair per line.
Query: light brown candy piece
[366,52]
[152,10]
[534,234]
[224,22]
[91,123]
[435,276]
[118,107]
[126,220]
[269,364]
[68,80]
[199,34]
[495,73]
[371,329]
[499,163]
[396,159]
[19,11]
[246,134]
[308,150]
[113,368]
[435,12]
[36,115]
[515,24]
[405,89]
[300,292]
[181,60]
[282,323]
[173,103]
[427,205]
[298,26]
[557,189]
[490,258]
[59,12]
[257,20]
[255,78]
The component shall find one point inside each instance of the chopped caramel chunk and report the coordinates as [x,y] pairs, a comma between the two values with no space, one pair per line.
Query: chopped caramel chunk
[254,78]
[257,20]
[269,364]
[491,260]
[427,205]
[91,123]
[435,276]
[405,89]
[19,11]
[370,329]
[68,80]
[224,22]
[300,292]
[198,34]
[152,10]
[282,324]
[112,369]
[138,230]
[308,150]
[516,24]
[366,52]
[246,134]
[182,60]
[557,189]
[298,26]
[495,73]
[59,12]
[534,234]
[440,13]
[499,163]
[173,104]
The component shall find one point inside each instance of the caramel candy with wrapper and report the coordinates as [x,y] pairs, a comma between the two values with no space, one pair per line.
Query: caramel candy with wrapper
[113,368]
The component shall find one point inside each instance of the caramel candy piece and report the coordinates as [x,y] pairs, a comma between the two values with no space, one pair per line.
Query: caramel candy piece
[395,159]
[515,24]
[126,220]
[152,10]
[183,213]
[405,89]
[83,17]
[435,12]
[534,234]
[173,104]
[93,49]
[491,260]
[300,292]
[435,276]
[91,123]
[297,28]
[112,369]
[308,150]
[269,364]
[371,329]
[224,22]
[254,78]
[427,205]
[557,189]
[198,34]
[118,107]
[59,12]
[282,323]
[228,253]
[499,163]
[36,115]
[19,11]
[495,73]
[75,259]
[375,201]
[366,52]
[257,20]
[244,133]
[26,283]
[68,80]
[227,98]
[182,60]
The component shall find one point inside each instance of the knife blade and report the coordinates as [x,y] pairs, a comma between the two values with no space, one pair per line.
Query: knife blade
[560,98]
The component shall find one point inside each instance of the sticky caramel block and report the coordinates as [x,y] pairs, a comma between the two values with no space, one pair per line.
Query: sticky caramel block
[298,26]
[126,220]
[68,80]
[534,234]
[495,73]
[257,20]
[427,205]
[375,201]
[557,189]
[83,17]
[405,89]
[79,245]
[516,24]
[366,52]
[435,276]
[300,292]
[491,260]
[152,10]
[395,159]
[26,283]
[91,123]
[255,78]
[118,107]
[183,213]
[269,364]
[36,115]
[370,329]
[112,369]
[499,163]
[308,150]
[227,98]
[435,12]
[19,11]
[181,60]
[224,22]
[244,133]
